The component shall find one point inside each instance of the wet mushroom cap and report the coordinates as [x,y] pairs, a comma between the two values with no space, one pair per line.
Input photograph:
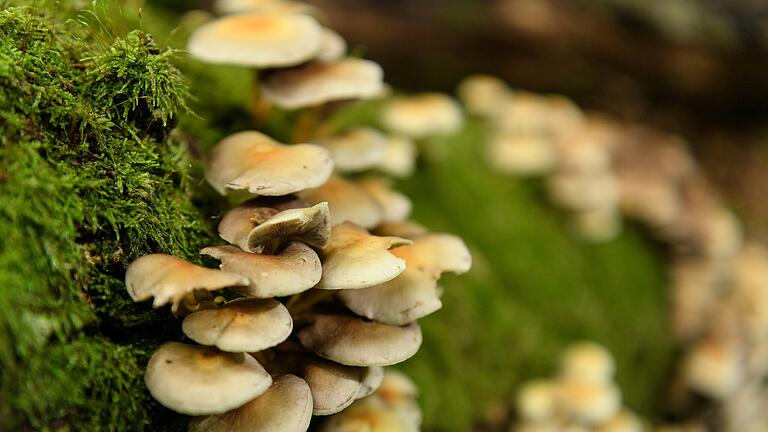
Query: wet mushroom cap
[321,82]
[285,407]
[255,162]
[348,202]
[355,150]
[355,342]
[169,279]
[421,115]
[295,269]
[242,325]
[196,380]
[355,259]
[259,40]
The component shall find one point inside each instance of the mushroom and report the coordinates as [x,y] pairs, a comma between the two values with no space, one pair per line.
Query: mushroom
[370,414]
[317,83]
[623,421]
[332,46]
[254,224]
[334,386]
[400,156]
[406,229]
[260,40]
[482,94]
[196,380]
[352,341]
[242,325]
[714,367]
[521,154]
[396,206]
[598,224]
[285,407]
[587,361]
[294,270]
[169,279]
[355,259]
[422,115]
[274,6]
[356,150]
[348,203]
[589,402]
[537,401]
[372,380]
[255,162]
[579,191]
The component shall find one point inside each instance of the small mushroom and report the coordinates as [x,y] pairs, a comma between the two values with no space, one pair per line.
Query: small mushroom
[714,367]
[580,191]
[537,401]
[370,414]
[334,386]
[589,402]
[356,150]
[253,161]
[355,342]
[355,259]
[422,115]
[587,361]
[285,407]
[261,40]
[521,153]
[196,380]
[482,94]
[242,325]
[294,270]
[253,224]
[372,380]
[332,46]
[400,156]
[396,206]
[348,203]
[317,83]
[169,279]
[623,421]
[597,224]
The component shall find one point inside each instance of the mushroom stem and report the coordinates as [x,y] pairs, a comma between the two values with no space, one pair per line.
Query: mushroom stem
[261,108]
[307,124]
[300,304]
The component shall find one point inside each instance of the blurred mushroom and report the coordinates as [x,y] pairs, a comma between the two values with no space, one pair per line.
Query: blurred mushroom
[348,202]
[356,150]
[355,259]
[587,361]
[355,342]
[537,401]
[406,229]
[242,325]
[197,380]
[713,367]
[400,157]
[589,402]
[371,415]
[422,115]
[482,95]
[253,161]
[577,191]
[332,46]
[169,279]
[293,270]
[597,224]
[396,206]
[623,421]
[521,154]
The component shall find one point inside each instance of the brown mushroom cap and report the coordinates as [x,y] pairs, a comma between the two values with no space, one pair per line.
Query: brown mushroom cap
[285,407]
[334,386]
[422,115]
[356,150]
[355,342]
[198,380]
[317,83]
[355,259]
[255,162]
[347,201]
[261,40]
[294,270]
[396,206]
[242,325]
[169,279]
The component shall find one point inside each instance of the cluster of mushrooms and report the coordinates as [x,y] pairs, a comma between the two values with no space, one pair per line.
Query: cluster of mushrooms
[324,277]
[598,169]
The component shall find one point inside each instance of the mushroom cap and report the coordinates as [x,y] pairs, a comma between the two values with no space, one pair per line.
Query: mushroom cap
[407,229]
[589,402]
[355,342]
[714,368]
[275,6]
[255,162]
[242,325]
[579,191]
[623,421]
[348,202]
[398,391]
[355,259]
[400,156]
[435,254]
[587,361]
[373,377]
[356,150]
[294,270]
[334,386]
[260,40]
[317,83]
[396,206]
[521,154]
[482,94]
[371,415]
[196,380]
[422,115]
[332,46]
[537,400]
[170,279]
[598,224]
[285,407]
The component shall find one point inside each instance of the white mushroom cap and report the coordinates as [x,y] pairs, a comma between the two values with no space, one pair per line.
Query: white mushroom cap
[334,386]
[400,157]
[527,113]
[396,206]
[714,368]
[274,6]
[261,40]
[578,191]
[587,361]
[589,402]
[373,377]
[255,162]
[521,153]
[370,414]
[169,279]
[537,401]
[355,259]
[482,94]
[355,342]
[242,325]
[435,254]
[332,46]
[356,150]
[285,407]
[317,83]
[422,115]
[294,270]
[198,380]
[348,202]
[251,225]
